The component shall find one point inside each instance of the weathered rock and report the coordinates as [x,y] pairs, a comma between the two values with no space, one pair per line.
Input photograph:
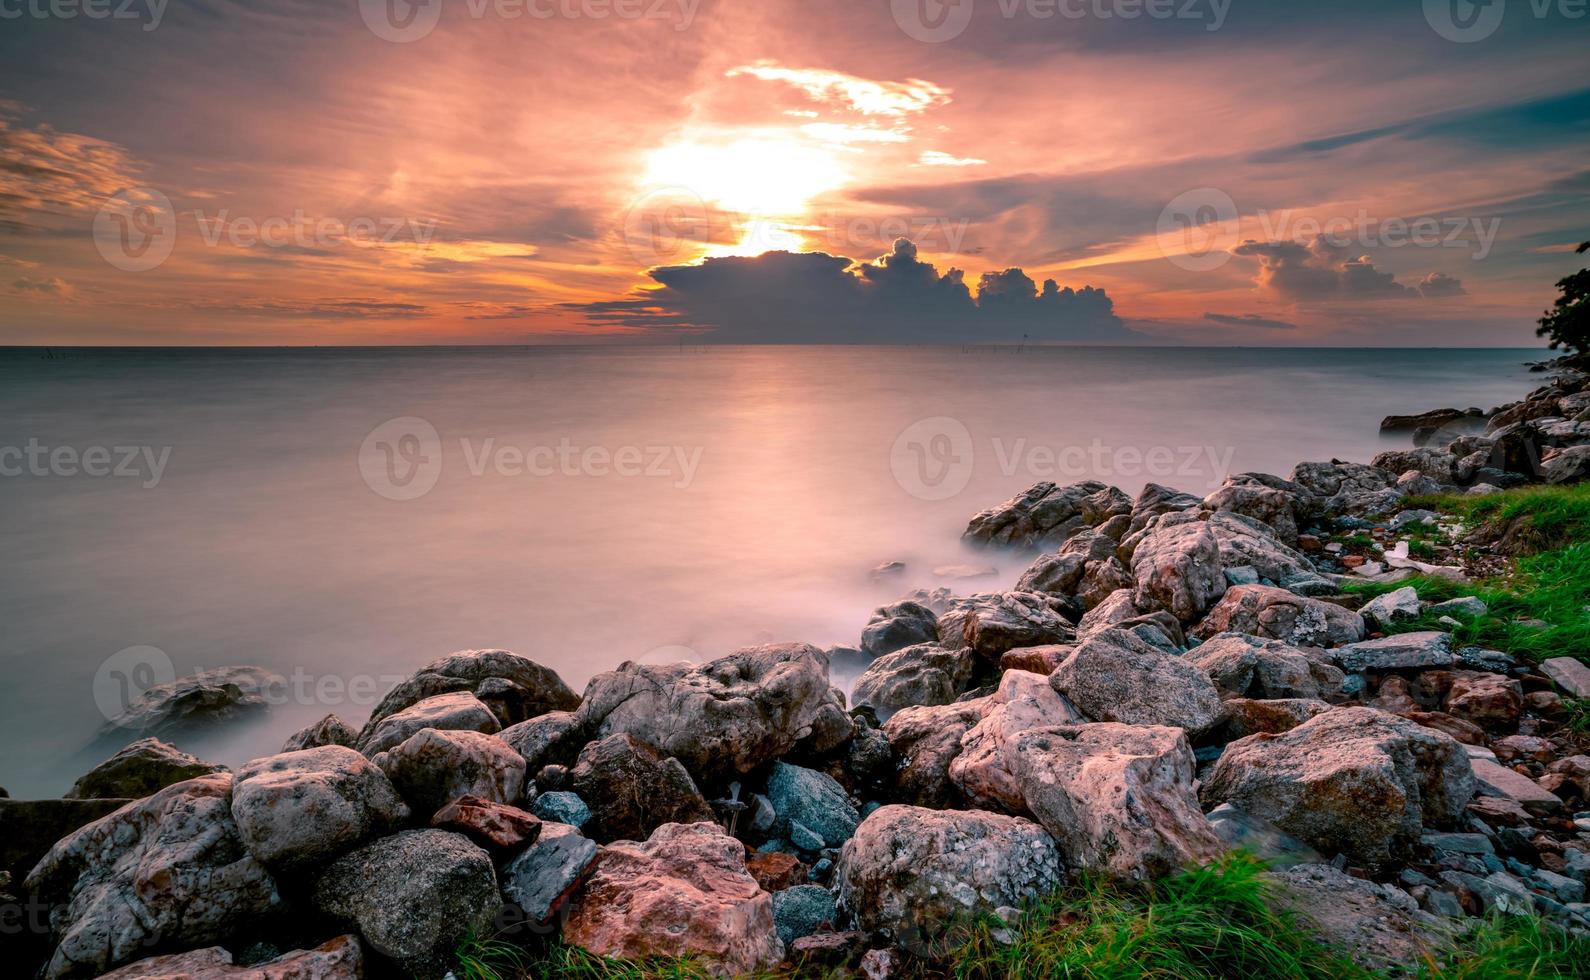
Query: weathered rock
[1247,716]
[633,790]
[1490,701]
[1036,660]
[1277,614]
[1114,676]
[926,741]
[899,625]
[554,738]
[912,873]
[1339,480]
[684,892]
[1399,651]
[1393,607]
[1116,798]
[562,806]
[993,622]
[1436,418]
[413,896]
[1045,515]
[1468,606]
[1260,837]
[459,711]
[1569,674]
[514,688]
[924,674]
[1253,667]
[169,869]
[726,717]
[1056,572]
[1437,464]
[300,809]
[329,730]
[1245,542]
[1156,500]
[813,800]
[29,828]
[1353,780]
[775,870]
[1570,465]
[541,879]
[1498,780]
[1276,509]
[432,768]
[1100,580]
[1378,926]
[190,704]
[1177,567]
[341,958]
[497,827]
[142,768]
[801,911]
[984,769]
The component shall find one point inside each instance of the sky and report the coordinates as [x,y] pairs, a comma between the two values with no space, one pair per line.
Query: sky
[1395,172]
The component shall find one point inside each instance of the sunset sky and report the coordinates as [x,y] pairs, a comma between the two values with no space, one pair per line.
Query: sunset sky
[564,171]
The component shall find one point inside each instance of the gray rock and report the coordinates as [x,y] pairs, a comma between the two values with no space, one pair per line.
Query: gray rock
[142,768]
[799,911]
[1276,509]
[1569,674]
[432,768]
[1497,780]
[413,896]
[1397,652]
[1393,607]
[1562,887]
[458,711]
[1470,607]
[633,790]
[541,879]
[1242,575]
[1045,515]
[515,688]
[814,800]
[190,704]
[1278,614]
[329,730]
[552,739]
[1499,893]
[925,674]
[1252,667]
[899,625]
[1378,926]
[1237,829]
[1156,500]
[993,622]
[562,806]
[1057,573]
[300,809]
[1114,676]
[1459,843]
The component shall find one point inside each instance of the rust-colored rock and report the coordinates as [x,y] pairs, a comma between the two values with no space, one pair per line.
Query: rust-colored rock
[774,870]
[1038,660]
[497,827]
[337,959]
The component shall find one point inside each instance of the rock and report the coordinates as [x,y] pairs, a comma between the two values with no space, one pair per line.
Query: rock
[724,718]
[413,896]
[993,622]
[1353,780]
[496,827]
[1247,716]
[1464,731]
[562,806]
[329,730]
[514,688]
[1379,926]
[1436,418]
[961,573]
[170,869]
[1437,464]
[190,704]
[1569,674]
[1045,515]
[899,625]
[684,892]
[29,828]
[300,809]
[541,879]
[775,870]
[1459,843]
[633,790]
[341,958]
[1399,651]
[142,768]
[1252,667]
[1570,465]
[923,674]
[813,800]
[432,768]
[826,948]
[1116,798]
[1497,780]
[1119,611]
[554,738]
[801,910]
[926,741]
[1276,509]
[1470,607]
[912,873]
[1260,837]
[984,767]
[1277,614]
[1114,676]
[1340,482]
[1490,701]
[1036,660]
[1156,500]
[887,571]
[1057,573]
[1177,567]
[459,711]
[1393,607]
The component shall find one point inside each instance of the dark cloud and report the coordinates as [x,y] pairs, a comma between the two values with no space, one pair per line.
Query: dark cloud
[1249,320]
[814,297]
[1319,270]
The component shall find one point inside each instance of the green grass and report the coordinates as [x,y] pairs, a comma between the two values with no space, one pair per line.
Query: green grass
[1549,517]
[1514,946]
[1578,710]
[488,959]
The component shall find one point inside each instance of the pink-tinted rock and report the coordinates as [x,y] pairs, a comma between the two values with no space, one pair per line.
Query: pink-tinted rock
[498,827]
[1115,676]
[337,959]
[1261,610]
[983,768]
[1491,701]
[1247,716]
[1176,565]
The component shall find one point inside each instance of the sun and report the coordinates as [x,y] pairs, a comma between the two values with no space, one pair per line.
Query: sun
[770,177]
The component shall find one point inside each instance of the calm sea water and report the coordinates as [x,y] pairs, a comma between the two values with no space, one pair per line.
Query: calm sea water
[344,516]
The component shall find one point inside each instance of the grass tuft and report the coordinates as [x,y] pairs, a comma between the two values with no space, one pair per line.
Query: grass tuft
[1514,946]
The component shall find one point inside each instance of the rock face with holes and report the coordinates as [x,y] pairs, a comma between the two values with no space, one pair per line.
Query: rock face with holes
[683,892]
[1176,566]
[1354,781]
[298,809]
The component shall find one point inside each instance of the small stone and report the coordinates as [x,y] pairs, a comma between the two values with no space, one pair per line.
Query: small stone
[1469,606]
[495,826]
[1459,843]
[1400,605]
[1569,674]
[562,807]
[774,870]
[799,911]
[1404,650]
[1497,780]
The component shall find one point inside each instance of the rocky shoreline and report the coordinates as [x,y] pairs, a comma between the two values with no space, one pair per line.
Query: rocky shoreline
[1171,678]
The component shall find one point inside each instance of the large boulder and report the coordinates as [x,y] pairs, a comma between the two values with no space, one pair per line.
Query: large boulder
[29,828]
[683,892]
[1378,926]
[459,711]
[329,730]
[1355,781]
[190,704]
[912,874]
[1044,515]
[300,809]
[515,688]
[993,622]
[812,801]
[1115,676]
[1117,798]
[923,674]
[1057,573]
[724,718]
[926,741]
[341,958]
[1177,567]
[142,768]
[432,768]
[552,739]
[1244,542]
[632,790]
[1339,481]
[1262,610]
[413,896]
[168,870]
[1155,500]
[899,625]
[984,769]
[1275,508]
[1246,666]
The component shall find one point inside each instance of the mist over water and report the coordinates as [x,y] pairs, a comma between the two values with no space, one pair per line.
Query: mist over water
[588,506]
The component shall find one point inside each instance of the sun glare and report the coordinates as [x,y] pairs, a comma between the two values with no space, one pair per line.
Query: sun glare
[767,177]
